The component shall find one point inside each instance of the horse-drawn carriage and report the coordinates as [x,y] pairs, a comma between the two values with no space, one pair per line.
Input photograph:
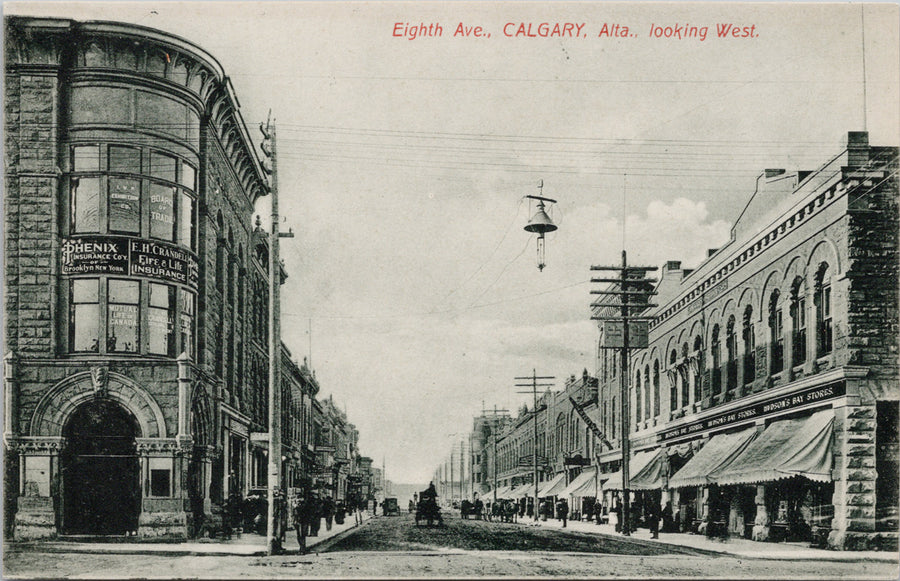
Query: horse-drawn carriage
[427,508]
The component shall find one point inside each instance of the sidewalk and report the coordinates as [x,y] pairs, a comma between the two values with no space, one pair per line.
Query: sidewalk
[733,546]
[248,544]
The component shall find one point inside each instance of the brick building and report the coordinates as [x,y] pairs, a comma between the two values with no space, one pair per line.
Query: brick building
[766,405]
[136,356]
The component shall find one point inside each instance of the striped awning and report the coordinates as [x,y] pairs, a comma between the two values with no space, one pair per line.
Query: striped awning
[635,465]
[719,452]
[553,486]
[583,485]
[787,448]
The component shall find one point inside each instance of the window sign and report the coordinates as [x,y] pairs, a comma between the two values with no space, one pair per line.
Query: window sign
[85,318]
[162,211]
[86,204]
[123,322]
[124,205]
[161,320]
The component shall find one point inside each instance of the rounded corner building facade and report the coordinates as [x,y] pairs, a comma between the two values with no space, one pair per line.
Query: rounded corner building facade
[136,347]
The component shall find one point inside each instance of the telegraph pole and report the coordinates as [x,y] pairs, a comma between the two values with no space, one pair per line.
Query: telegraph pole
[273,540]
[534,411]
[631,283]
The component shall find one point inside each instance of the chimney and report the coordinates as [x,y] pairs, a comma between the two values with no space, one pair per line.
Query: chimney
[857,148]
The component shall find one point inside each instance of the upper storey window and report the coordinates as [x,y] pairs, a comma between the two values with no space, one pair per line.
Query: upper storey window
[116,189]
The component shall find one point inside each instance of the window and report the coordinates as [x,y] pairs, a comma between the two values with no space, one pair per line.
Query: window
[124,159]
[637,397]
[123,324]
[85,204]
[716,352]
[86,158]
[160,471]
[162,166]
[188,176]
[749,347]
[656,388]
[822,301]
[161,320]
[124,205]
[698,377]
[673,381]
[646,392]
[186,220]
[121,200]
[84,320]
[776,332]
[162,211]
[798,323]
[685,384]
[731,352]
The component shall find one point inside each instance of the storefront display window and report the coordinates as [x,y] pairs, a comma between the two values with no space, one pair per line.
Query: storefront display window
[186,307]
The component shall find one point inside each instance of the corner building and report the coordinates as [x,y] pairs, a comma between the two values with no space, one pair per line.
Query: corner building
[136,350]
[766,404]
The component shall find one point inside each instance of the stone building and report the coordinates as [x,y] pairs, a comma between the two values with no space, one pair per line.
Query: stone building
[136,356]
[766,405]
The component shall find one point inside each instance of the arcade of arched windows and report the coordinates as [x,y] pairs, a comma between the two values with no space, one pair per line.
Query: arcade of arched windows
[750,346]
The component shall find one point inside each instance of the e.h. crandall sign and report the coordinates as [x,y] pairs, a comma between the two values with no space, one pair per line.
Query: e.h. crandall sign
[130,257]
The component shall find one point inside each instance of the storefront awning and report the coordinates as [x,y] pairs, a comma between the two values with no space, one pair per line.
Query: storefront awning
[501,492]
[637,463]
[585,484]
[718,453]
[787,448]
[553,486]
[651,476]
[523,490]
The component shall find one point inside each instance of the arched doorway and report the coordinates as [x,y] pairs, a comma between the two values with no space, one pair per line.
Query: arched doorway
[101,471]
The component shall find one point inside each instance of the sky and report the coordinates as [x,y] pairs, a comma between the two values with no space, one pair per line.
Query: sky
[403,166]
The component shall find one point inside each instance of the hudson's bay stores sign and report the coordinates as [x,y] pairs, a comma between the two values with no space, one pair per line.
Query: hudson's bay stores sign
[760,409]
[129,257]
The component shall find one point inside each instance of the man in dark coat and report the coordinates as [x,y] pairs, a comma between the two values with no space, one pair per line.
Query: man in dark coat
[300,517]
[562,510]
[315,514]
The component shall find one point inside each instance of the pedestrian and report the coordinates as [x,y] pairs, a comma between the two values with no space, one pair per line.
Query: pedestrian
[562,510]
[653,517]
[667,518]
[328,511]
[617,510]
[315,514]
[298,514]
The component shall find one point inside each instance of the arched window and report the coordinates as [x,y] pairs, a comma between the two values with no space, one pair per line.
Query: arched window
[612,416]
[698,377]
[637,398]
[798,322]
[776,332]
[646,392]
[673,381]
[220,253]
[731,353]
[656,388]
[685,386]
[716,353]
[749,337]
[822,301]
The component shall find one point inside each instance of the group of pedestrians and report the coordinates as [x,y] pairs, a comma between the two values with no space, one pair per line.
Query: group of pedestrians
[308,512]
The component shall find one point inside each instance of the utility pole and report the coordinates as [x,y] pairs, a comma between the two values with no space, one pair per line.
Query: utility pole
[462,469]
[273,540]
[534,411]
[631,283]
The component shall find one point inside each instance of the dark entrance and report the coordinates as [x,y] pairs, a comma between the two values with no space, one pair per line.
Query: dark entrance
[101,471]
